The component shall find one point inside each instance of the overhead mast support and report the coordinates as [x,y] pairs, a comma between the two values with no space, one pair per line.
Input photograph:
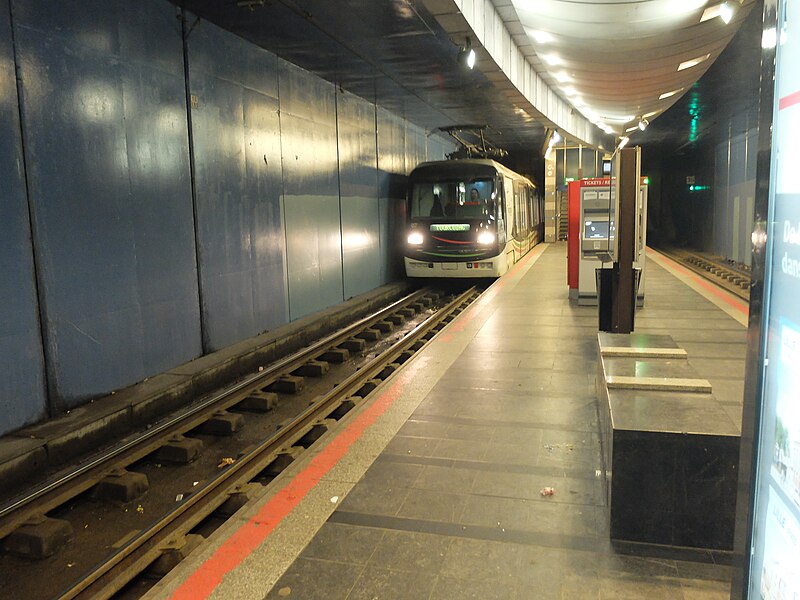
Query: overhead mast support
[468,149]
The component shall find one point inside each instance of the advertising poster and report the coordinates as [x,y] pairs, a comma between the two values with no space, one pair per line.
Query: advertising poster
[780,573]
[775,561]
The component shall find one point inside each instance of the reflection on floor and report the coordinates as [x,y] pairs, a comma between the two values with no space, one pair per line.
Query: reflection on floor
[453,507]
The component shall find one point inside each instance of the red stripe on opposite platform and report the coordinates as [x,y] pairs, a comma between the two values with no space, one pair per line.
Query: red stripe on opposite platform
[246,539]
[739,305]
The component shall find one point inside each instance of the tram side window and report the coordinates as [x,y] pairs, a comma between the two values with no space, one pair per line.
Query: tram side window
[519,209]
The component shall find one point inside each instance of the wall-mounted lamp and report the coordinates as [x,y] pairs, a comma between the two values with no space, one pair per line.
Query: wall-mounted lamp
[466,55]
[552,137]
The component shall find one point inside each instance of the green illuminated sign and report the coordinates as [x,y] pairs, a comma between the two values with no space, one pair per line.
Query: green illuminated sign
[451,227]
[699,188]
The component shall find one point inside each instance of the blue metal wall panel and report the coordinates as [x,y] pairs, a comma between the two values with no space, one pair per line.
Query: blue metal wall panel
[311,191]
[107,155]
[236,133]
[22,386]
[358,184]
[392,178]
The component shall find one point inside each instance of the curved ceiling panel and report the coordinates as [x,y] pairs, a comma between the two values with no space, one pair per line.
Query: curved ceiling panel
[616,62]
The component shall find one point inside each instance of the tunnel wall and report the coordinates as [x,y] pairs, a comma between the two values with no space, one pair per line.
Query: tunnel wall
[735,189]
[22,386]
[182,197]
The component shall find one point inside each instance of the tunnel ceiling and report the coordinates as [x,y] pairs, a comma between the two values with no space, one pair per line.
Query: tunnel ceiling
[615,59]
[388,51]
[723,102]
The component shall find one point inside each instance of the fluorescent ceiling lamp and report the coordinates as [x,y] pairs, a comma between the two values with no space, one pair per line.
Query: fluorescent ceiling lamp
[629,129]
[669,94]
[694,62]
[552,59]
[556,138]
[710,13]
[562,77]
[643,124]
[650,114]
[623,142]
[540,37]
[726,12]
[570,91]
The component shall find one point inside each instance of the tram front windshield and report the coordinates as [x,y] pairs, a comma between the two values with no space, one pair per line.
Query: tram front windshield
[476,199]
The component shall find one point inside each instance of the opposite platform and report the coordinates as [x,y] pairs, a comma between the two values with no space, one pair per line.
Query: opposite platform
[434,489]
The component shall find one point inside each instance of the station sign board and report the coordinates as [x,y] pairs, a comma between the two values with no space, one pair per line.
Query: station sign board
[774,562]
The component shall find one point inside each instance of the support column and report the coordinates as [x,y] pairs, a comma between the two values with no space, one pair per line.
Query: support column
[624,298]
[551,216]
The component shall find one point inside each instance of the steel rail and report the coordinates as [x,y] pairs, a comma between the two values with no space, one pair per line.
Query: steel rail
[130,560]
[723,277]
[54,493]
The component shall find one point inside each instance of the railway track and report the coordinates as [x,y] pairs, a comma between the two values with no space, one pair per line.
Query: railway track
[192,502]
[727,274]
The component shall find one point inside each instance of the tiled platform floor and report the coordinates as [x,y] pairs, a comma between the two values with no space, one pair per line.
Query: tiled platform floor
[452,507]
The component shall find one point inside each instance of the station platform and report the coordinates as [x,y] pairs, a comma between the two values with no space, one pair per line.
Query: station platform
[433,489]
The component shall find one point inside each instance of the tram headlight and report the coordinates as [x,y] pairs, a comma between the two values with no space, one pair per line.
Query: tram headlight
[415,238]
[486,238]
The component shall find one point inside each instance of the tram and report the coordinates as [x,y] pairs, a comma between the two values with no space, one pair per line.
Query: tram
[469,217]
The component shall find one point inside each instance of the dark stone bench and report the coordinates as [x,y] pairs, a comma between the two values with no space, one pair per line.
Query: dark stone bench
[671,452]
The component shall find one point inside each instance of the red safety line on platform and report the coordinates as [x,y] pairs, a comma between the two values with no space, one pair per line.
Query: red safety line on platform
[724,296]
[246,539]
[790,100]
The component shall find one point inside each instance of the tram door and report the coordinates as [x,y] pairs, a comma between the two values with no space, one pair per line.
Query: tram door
[511,224]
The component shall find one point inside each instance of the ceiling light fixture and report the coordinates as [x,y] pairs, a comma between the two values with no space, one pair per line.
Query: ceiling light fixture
[650,114]
[694,62]
[629,129]
[540,37]
[726,12]
[623,142]
[666,95]
[562,77]
[466,55]
[643,123]
[552,59]
[570,91]
[710,13]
